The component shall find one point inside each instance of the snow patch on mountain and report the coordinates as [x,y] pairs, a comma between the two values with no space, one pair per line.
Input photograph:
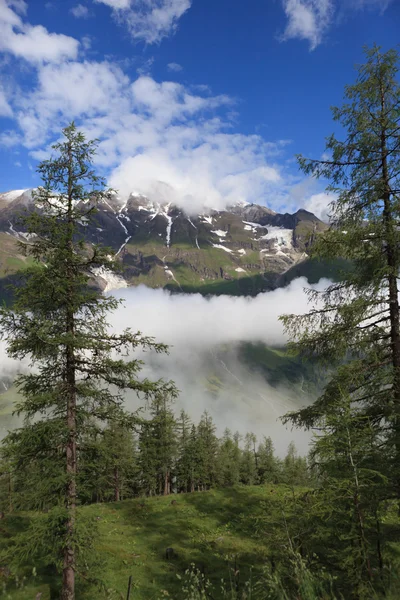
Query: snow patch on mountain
[13,195]
[222,247]
[112,280]
[283,237]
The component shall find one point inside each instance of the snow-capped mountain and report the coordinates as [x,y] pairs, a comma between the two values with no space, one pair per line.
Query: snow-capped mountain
[243,249]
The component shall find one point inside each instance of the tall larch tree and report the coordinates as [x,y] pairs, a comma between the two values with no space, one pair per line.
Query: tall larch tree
[354,325]
[80,368]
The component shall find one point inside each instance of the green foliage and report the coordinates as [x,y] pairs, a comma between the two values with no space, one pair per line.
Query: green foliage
[354,328]
[80,369]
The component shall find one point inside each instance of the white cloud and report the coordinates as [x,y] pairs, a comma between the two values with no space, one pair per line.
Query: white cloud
[311,19]
[10,138]
[5,108]
[86,42]
[307,20]
[365,4]
[116,4]
[319,205]
[157,138]
[80,11]
[174,67]
[194,321]
[33,43]
[195,328]
[148,20]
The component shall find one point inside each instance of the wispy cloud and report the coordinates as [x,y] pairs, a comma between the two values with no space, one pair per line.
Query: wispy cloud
[174,67]
[310,20]
[80,11]
[373,4]
[148,20]
[307,20]
[5,108]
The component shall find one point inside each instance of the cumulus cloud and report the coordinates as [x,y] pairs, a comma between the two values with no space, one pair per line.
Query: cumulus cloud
[161,139]
[32,43]
[174,67]
[319,205]
[80,11]
[148,20]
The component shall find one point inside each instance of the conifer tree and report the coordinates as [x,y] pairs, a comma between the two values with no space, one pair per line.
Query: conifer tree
[60,323]
[158,447]
[229,459]
[207,449]
[268,465]
[294,467]
[184,466]
[354,325]
[349,489]
[119,451]
[248,463]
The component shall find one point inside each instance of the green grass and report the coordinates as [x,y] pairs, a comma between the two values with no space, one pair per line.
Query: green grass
[208,529]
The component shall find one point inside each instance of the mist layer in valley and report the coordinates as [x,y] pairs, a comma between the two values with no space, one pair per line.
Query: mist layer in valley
[226,355]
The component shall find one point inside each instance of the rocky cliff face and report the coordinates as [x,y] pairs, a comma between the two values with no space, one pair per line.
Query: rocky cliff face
[243,249]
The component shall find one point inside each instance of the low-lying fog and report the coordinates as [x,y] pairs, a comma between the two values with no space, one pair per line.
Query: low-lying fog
[204,336]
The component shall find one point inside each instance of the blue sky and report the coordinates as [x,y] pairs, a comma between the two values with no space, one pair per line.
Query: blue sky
[194,101]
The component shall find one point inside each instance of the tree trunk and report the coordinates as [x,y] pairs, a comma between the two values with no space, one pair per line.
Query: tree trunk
[68,588]
[393,292]
[69,563]
[10,494]
[116,485]
[166,483]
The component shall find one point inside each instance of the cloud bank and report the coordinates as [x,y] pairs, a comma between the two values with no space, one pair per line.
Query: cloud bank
[196,328]
[203,335]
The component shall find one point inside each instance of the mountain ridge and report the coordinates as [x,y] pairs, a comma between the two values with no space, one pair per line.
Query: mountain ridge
[243,249]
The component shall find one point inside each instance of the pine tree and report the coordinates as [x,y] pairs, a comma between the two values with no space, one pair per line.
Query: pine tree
[184,466]
[119,450]
[229,459]
[350,487]
[248,464]
[93,480]
[59,322]
[294,468]
[354,325]
[268,467]
[207,449]
[158,447]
